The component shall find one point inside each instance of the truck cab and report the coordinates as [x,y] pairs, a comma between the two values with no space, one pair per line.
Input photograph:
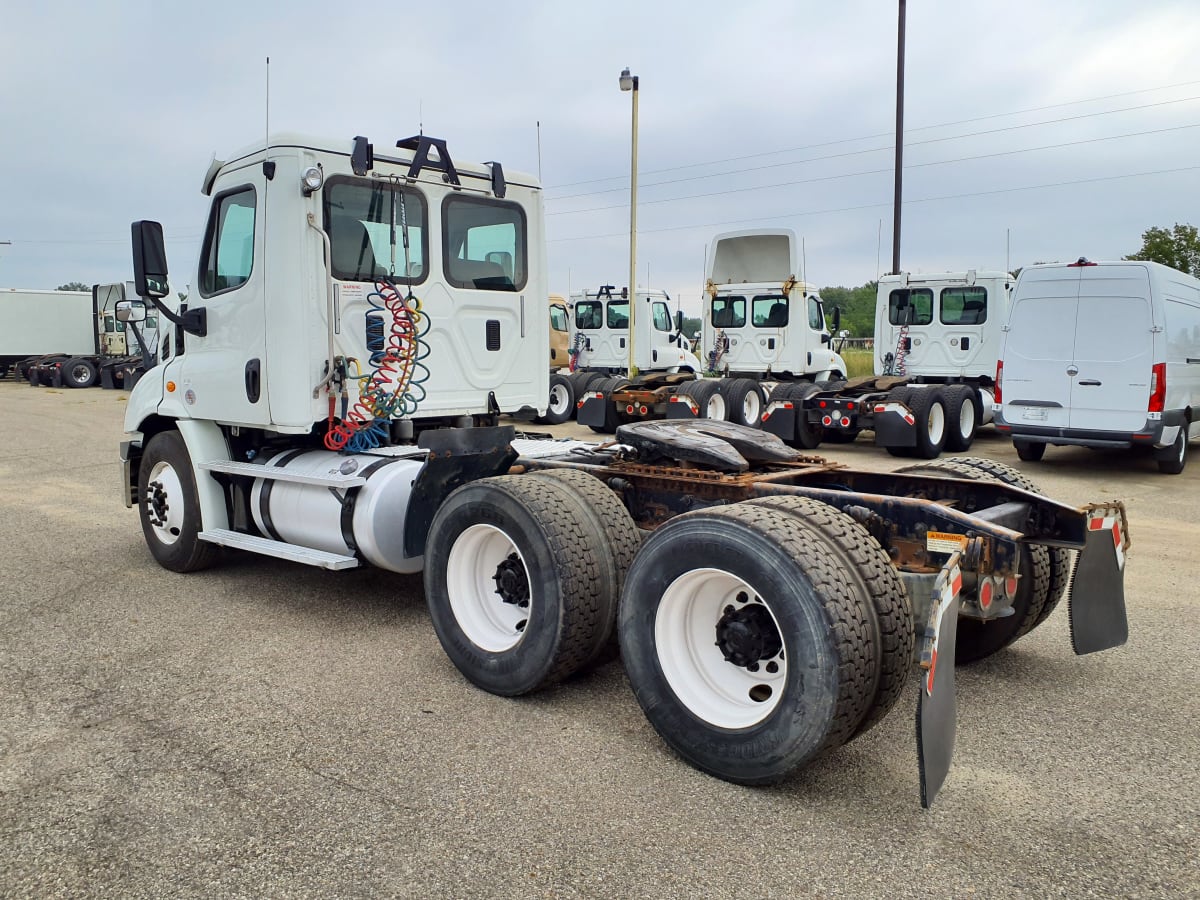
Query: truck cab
[600,327]
[944,325]
[759,321]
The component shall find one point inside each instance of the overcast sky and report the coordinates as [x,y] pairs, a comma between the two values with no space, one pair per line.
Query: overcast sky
[1070,125]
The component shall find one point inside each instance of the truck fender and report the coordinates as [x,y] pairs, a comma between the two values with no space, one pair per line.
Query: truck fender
[206,443]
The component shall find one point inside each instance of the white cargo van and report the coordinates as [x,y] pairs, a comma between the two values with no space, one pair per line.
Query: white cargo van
[1101,355]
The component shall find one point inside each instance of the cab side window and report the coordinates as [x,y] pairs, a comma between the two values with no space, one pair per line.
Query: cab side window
[228,255]
[816,320]
[662,317]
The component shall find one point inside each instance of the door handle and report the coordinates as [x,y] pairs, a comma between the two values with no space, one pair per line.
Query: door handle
[1089,382]
[253,380]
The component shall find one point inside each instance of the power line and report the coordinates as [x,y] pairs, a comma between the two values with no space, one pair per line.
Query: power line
[956,137]
[821,212]
[941,162]
[867,137]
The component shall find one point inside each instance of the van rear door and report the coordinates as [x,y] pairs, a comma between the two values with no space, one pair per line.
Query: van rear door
[1039,348]
[1113,349]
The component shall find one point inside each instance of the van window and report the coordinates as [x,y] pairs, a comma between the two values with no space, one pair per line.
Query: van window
[618,313]
[919,300]
[228,254]
[769,311]
[361,218]
[484,243]
[589,314]
[558,317]
[729,312]
[662,317]
[963,306]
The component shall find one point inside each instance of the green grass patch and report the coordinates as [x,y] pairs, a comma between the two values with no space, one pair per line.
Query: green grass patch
[859,362]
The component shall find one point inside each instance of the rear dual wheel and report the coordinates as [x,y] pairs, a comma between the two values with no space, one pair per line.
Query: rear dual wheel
[708,397]
[744,401]
[746,647]
[522,577]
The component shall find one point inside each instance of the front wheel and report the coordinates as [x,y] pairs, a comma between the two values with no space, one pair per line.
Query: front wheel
[169,506]
[742,645]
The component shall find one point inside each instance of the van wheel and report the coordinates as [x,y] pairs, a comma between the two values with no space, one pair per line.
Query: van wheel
[169,506]
[561,403]
[929,409]
[515,586]
[743,647]
[962,416]
[1174,459]
[1029,452]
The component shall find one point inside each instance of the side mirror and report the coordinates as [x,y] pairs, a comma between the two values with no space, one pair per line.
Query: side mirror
[149,260]
[130,311]
[679,320]
[837,319]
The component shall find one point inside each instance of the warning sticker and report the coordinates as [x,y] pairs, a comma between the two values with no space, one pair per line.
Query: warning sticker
[944,542]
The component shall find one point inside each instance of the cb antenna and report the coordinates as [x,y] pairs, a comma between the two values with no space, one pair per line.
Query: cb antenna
[268,166]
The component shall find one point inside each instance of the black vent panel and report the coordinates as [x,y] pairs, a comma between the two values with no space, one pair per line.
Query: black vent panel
[493,334]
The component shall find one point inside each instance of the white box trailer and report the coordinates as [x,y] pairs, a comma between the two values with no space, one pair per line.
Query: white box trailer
[39,323]
[1102,355]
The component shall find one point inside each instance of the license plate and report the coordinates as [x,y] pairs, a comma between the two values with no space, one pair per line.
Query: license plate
[1034,414]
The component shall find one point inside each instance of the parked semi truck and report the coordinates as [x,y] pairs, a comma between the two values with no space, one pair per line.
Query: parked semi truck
[762,329]
[115,354]
[359,320]
[936,342]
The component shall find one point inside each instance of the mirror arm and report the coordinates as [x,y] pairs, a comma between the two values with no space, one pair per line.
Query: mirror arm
[193,321]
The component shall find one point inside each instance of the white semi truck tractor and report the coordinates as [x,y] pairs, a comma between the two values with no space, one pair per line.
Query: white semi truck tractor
[329,395]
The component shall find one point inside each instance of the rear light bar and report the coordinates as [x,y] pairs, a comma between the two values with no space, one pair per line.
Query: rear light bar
[999,376]
[1082,261]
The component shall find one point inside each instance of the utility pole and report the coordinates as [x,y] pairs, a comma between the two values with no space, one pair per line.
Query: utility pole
[899,142]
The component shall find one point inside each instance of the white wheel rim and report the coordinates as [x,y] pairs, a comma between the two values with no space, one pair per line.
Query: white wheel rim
[752,407]
[80,374]
[164,503]
[685,629]
[716,407]
[485,618]
[558,399]
[966,419]
[937,423]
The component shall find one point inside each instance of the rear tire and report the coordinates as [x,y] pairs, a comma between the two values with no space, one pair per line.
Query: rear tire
[744,401]
[516,587]
[1172,462]
[794,666]
[808,434]
[707,394]
[1044,570]
[929,409]
[169,506]
[962,416]
[1029,452]
[879,585]
[561,403]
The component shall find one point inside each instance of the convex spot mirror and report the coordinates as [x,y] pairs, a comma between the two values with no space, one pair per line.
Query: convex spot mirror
[130,311]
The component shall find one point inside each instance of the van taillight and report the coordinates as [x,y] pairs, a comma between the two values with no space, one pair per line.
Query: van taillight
[999,375]
[1158,388]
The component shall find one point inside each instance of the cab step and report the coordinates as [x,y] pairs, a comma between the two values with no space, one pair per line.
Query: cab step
[280,550]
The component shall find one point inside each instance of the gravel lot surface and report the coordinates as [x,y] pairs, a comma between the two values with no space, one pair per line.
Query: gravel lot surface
[264,729]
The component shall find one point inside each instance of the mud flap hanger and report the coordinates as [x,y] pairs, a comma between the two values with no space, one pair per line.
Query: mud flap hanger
[1096,607]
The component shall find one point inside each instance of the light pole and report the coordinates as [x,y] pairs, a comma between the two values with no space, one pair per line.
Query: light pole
[630,83]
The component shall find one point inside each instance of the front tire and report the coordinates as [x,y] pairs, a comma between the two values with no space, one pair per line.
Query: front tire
[742,645]
[169,506]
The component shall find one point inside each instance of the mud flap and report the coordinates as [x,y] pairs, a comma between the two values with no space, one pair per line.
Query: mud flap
[683,408]
[894,426]
[1096,606]
[780,420]
[937,709]
[592,410]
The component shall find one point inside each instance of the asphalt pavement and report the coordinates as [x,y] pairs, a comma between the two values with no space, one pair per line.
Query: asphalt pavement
[266,729]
